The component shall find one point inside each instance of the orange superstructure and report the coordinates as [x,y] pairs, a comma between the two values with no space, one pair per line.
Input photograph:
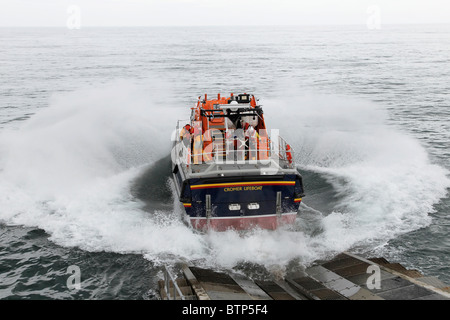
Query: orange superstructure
[223,118]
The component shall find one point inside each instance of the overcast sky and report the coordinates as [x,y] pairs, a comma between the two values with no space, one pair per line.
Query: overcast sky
[220,12]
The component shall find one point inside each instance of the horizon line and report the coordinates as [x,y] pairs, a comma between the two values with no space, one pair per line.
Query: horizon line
[226,25]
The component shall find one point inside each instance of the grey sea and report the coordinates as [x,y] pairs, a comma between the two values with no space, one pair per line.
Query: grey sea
[86,122]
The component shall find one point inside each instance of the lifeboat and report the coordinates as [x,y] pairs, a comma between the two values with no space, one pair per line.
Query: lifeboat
[230,171]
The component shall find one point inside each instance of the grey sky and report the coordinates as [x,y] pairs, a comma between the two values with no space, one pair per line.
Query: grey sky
[220,12]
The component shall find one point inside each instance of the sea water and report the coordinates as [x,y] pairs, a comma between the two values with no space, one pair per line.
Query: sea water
[87,116]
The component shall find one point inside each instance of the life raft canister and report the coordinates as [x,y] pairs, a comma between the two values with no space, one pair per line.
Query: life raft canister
[208,147]
[289,153]
[198,146]
[263,146]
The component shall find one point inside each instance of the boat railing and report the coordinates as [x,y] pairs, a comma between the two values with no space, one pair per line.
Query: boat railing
[285,151]
[278,153]
[169,284]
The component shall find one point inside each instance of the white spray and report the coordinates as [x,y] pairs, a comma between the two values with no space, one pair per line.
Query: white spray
[68,170]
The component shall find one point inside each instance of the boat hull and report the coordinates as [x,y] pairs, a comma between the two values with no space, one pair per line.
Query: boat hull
[242,202]
[270,222]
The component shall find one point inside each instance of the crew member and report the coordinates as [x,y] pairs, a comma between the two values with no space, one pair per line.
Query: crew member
[251,141]
[185,135]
